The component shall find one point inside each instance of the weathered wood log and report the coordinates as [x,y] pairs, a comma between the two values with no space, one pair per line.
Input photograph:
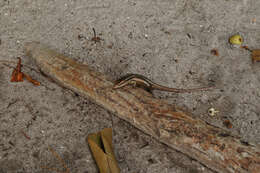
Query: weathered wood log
[212,146]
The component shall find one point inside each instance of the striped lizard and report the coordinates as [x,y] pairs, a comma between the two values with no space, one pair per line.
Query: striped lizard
[139,80]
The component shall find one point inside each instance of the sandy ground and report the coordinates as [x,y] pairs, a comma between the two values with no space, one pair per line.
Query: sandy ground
[167,41]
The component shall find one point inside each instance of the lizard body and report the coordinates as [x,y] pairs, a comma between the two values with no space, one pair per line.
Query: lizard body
[136,79]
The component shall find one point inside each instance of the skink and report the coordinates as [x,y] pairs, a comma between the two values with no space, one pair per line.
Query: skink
[139,80]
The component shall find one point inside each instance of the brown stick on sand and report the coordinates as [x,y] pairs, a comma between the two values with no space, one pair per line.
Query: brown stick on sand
[212,146]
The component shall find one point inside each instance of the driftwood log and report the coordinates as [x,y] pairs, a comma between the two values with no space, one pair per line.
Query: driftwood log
[212,146]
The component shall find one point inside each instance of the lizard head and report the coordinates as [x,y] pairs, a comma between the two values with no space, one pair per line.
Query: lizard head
[124,81]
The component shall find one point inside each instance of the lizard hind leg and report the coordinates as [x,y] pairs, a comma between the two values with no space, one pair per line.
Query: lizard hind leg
[135,84]
[148,89]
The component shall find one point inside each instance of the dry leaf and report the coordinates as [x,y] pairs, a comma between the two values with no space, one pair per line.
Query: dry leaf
[101,146]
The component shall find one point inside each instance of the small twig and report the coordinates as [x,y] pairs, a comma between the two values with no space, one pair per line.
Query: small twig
[29,78]
[52,169]
[11,103]
[94,32]
[144,145]
[58,157]
[246,48]
[54,153]
[95,38]
[25,135]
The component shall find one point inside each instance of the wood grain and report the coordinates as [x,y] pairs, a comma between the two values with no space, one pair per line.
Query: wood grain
[213,147]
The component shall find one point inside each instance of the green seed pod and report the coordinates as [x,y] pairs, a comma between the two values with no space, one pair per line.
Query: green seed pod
[236,39]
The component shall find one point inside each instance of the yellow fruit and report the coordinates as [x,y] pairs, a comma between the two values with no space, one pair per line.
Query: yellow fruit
[236,39]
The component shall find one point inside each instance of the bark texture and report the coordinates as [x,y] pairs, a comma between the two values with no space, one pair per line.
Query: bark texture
[213,147]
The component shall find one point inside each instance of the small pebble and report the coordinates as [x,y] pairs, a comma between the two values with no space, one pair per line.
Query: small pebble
[212,112]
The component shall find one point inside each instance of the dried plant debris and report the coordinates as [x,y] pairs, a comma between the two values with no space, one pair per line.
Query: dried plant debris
[255,55]
[55,154]
[95,38]
[35,82]
[25,135]
[214,52]
[18,75]
[227,124]
[246,47]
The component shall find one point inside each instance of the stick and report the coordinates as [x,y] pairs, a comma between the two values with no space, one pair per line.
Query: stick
[213,147]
